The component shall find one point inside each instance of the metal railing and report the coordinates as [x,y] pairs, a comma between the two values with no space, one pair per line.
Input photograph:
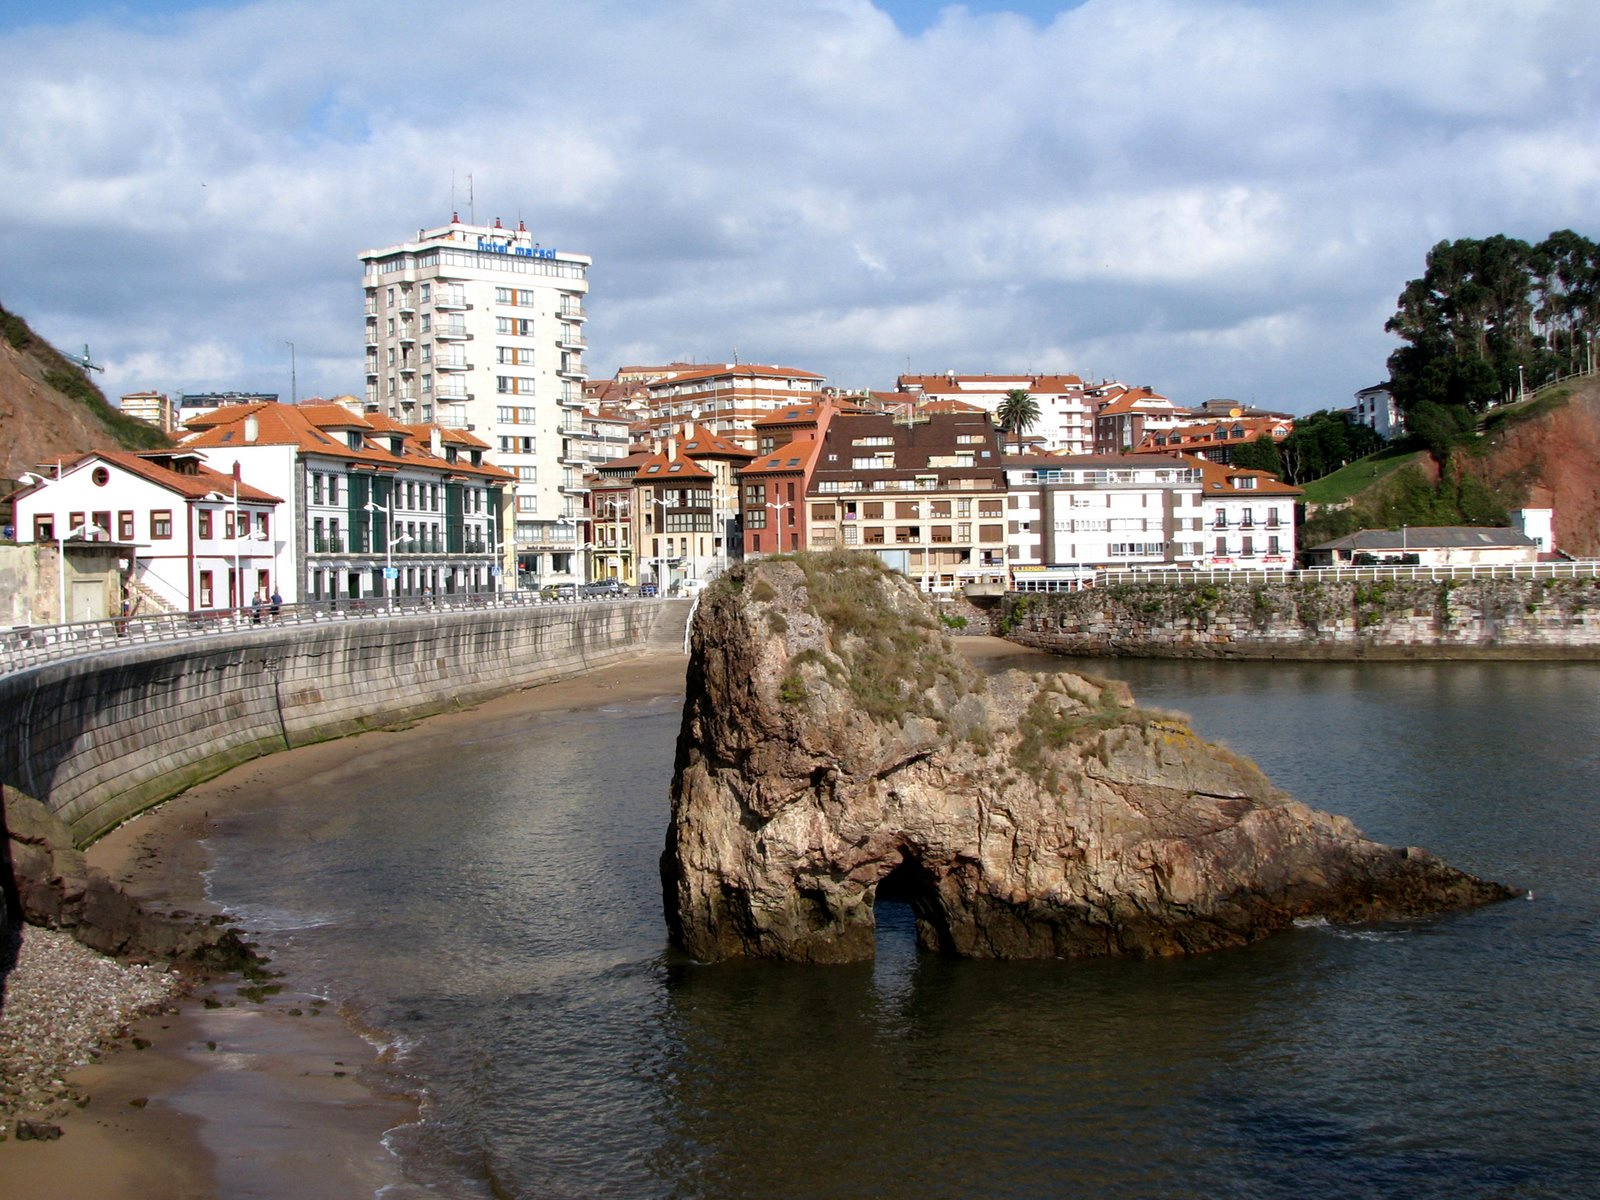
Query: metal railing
[1571,569]
[26,646]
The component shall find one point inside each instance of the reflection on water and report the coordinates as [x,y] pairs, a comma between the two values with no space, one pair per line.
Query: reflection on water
[496,907]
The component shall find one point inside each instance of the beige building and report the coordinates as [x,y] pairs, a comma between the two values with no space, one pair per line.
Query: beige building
[153,408]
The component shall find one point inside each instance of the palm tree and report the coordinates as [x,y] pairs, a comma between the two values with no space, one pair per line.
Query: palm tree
[1018,413]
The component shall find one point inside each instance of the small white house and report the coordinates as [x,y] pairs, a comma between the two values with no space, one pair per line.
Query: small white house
[197,539]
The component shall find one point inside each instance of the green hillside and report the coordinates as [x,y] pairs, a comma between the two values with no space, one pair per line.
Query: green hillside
[43,362]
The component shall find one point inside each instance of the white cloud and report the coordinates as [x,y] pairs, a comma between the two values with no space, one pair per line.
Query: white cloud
[1210,196]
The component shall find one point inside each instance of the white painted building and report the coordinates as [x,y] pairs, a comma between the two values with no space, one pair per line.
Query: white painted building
[1376,409]
[1070,515]
[480,328]
[376,508]
[1248,519]
[1066,412]
[197,539]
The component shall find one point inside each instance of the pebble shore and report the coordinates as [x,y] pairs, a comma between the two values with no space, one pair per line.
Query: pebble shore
[63,1006]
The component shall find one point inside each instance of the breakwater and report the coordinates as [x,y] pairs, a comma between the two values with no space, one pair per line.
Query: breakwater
[1315,618]
[101,737]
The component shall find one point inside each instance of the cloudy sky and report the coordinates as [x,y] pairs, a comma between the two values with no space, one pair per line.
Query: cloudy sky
[1213,197]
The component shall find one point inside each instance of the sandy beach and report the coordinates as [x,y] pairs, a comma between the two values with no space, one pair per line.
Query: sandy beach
[235,1096]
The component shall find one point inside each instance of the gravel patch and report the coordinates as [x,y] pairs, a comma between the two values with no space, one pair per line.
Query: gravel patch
[64,1006]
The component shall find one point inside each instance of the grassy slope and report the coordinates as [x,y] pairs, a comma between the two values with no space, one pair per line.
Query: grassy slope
[68,379]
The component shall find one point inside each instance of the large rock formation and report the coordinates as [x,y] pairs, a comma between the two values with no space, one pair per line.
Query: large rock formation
[835,749]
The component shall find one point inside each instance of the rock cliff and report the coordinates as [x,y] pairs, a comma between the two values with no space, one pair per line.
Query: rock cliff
[836,750]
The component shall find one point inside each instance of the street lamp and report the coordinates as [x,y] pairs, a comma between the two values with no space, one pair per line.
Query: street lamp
[29,478]
[777,524]
[388,546]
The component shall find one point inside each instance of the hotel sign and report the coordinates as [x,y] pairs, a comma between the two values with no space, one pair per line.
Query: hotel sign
[494,247]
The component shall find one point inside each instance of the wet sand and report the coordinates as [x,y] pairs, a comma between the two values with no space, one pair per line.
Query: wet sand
[263,1098]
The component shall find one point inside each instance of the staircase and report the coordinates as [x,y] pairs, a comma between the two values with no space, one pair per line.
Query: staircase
[144,601]
[672,623]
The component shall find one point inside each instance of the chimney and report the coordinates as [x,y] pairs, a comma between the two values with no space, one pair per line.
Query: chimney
[436,442]
[252,428]
[236,470]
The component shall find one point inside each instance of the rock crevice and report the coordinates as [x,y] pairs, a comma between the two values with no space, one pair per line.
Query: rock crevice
[835,750]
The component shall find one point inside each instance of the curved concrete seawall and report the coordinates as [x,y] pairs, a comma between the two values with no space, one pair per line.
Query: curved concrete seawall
[99,738]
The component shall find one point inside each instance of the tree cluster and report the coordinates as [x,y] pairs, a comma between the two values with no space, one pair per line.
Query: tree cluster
[1319,445]
[1488,317]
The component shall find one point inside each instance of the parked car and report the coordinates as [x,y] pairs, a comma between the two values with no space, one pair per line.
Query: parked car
[645,589]
[559,591]
[603,587]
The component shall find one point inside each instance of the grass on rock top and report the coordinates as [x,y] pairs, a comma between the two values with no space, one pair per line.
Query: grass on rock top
[894,654]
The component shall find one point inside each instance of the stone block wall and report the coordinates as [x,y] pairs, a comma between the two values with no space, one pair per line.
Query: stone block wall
[1444,618]
[99,738]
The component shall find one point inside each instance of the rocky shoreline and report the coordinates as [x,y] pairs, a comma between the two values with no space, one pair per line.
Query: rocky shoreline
[62,1006]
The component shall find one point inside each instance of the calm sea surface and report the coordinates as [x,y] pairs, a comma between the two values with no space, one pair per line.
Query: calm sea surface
[492,904]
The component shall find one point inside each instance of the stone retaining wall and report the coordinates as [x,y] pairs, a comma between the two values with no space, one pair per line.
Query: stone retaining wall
[1464,618]
[99,738]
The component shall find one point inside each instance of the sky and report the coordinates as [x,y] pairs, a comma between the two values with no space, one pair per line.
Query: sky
[1215,198]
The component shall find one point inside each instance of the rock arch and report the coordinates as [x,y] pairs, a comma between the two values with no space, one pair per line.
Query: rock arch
[834,745]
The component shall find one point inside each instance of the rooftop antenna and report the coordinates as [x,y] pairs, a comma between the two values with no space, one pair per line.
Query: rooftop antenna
[472,208]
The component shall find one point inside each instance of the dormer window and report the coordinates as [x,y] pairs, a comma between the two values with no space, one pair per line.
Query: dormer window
[354,435]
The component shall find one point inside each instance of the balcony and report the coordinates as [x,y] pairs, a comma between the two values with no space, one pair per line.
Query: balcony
[571,399]
[452,362]
[407,306]
[371,308]
[570,338]
[571,369]
[571,310]
[452,391]
[451,331]
[450,300]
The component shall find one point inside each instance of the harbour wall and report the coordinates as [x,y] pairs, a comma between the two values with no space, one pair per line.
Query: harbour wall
[101,737]
[1443,618]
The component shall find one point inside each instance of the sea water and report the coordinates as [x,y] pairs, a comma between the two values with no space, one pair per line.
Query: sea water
[490,904]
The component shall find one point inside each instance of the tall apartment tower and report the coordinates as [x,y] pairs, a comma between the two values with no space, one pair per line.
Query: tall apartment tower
[479,327]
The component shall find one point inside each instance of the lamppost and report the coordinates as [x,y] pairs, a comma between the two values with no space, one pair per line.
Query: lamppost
[777,524]
[388,545]
[661,561]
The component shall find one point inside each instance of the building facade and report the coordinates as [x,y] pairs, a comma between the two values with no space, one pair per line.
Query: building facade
[924,493]
[481,328]
[376,508]
[1070,516]
[1066,412]
[153,408]
[1375,408]
[197,539]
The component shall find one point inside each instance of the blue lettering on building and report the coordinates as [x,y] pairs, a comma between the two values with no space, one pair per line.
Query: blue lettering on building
[520,251]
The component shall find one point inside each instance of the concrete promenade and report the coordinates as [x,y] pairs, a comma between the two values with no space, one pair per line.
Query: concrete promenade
[100,736]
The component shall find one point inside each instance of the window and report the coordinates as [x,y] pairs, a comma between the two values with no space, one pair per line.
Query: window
[206,589]
[333,489]
[1222,546]
[316,488]
[44,528]
[427,292]
[204,519]
[161,524]
[261,526]
[124,527]
[514,326]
